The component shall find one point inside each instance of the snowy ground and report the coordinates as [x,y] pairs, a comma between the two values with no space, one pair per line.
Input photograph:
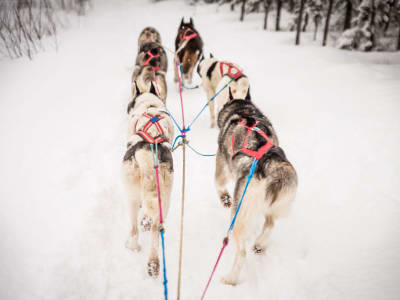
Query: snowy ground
[62,128]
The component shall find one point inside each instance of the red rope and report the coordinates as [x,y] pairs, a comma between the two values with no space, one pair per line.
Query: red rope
[157,89]
[225,242]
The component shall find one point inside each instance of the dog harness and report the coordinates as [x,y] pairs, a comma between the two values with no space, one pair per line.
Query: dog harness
[151,56]
[233,72]
[188,34]
[260,152]
[153,120]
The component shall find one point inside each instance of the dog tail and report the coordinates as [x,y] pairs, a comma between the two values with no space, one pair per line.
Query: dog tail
[149,181]
[281,190]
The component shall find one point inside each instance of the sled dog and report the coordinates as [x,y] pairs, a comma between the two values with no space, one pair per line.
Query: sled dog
[245,131]
[143,79]
[148,124]
[188,47]
[149,34]
[215,75]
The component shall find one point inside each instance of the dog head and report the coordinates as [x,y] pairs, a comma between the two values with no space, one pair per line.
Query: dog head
[184,26]
[239,91]
[139,96]
[149,34]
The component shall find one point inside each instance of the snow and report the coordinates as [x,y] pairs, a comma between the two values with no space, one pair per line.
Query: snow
[63,124]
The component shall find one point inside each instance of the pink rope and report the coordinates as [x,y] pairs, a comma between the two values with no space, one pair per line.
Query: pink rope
[157,89]
[225,242]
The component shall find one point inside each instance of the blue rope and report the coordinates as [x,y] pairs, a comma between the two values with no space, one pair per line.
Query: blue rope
[173,119]
[179,136]
[164,267]
[208,102]
[197,152]
[252,170]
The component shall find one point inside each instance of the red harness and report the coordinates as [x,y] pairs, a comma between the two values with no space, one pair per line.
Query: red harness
[151,56]
[188,35]
[153,120]
[233,72]
[256,154]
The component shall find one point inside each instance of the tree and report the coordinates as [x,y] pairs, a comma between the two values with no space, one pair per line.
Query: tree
[327,21]
[278,14]
[243,10]
[299,21]
[267,5]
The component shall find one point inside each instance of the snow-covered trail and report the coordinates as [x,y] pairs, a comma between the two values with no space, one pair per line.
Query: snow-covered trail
[63,125]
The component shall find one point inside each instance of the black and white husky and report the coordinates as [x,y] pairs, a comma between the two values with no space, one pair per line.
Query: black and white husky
[215,75]
[148,122]
[271,190]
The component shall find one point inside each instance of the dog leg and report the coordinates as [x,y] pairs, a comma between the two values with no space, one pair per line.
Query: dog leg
[221,179]
[210,93]
[133,190]
[233,277]
[153,264]
[175,71]
[262,239]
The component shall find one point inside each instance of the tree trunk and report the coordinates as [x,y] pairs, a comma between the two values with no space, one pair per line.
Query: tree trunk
[315,30]
[266,10]
[372,24]
[305,22]
[233,6]
[348,15]
[328,19]
[299,22]
[278,14]
[398,40]
[291,6]
[243,10]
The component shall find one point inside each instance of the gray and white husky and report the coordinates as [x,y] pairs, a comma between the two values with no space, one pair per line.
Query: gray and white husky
[138,170]
[273,187]
[149,34]
[143,79]
[214,74]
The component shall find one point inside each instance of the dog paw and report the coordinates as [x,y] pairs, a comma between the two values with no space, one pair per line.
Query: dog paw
[132,244]
[146,223]
[153,267]
[258,249]
[226,200]
[229,280]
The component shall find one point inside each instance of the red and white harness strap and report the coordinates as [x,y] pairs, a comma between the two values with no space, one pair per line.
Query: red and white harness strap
[232,71]
[153,120]
[151,56]
[260,152]
[188,34]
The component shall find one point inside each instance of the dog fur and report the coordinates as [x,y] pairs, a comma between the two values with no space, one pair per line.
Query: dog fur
[139,175]
[149,34]
[273,187]
[143,79]
[189,54]
[213,81]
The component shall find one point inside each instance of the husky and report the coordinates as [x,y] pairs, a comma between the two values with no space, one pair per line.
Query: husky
[143,78]
[215,75]
[152,54]
[149,34]
[138,170]
[188,48]
[273,187]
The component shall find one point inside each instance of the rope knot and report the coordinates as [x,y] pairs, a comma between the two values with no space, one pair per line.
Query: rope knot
[161,228]
[225,241]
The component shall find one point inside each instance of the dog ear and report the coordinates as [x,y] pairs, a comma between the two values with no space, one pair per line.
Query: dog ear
[191,22]
[153,89]
[230,94]
[211,55]
[248,98]
[137,89]
[182,22]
